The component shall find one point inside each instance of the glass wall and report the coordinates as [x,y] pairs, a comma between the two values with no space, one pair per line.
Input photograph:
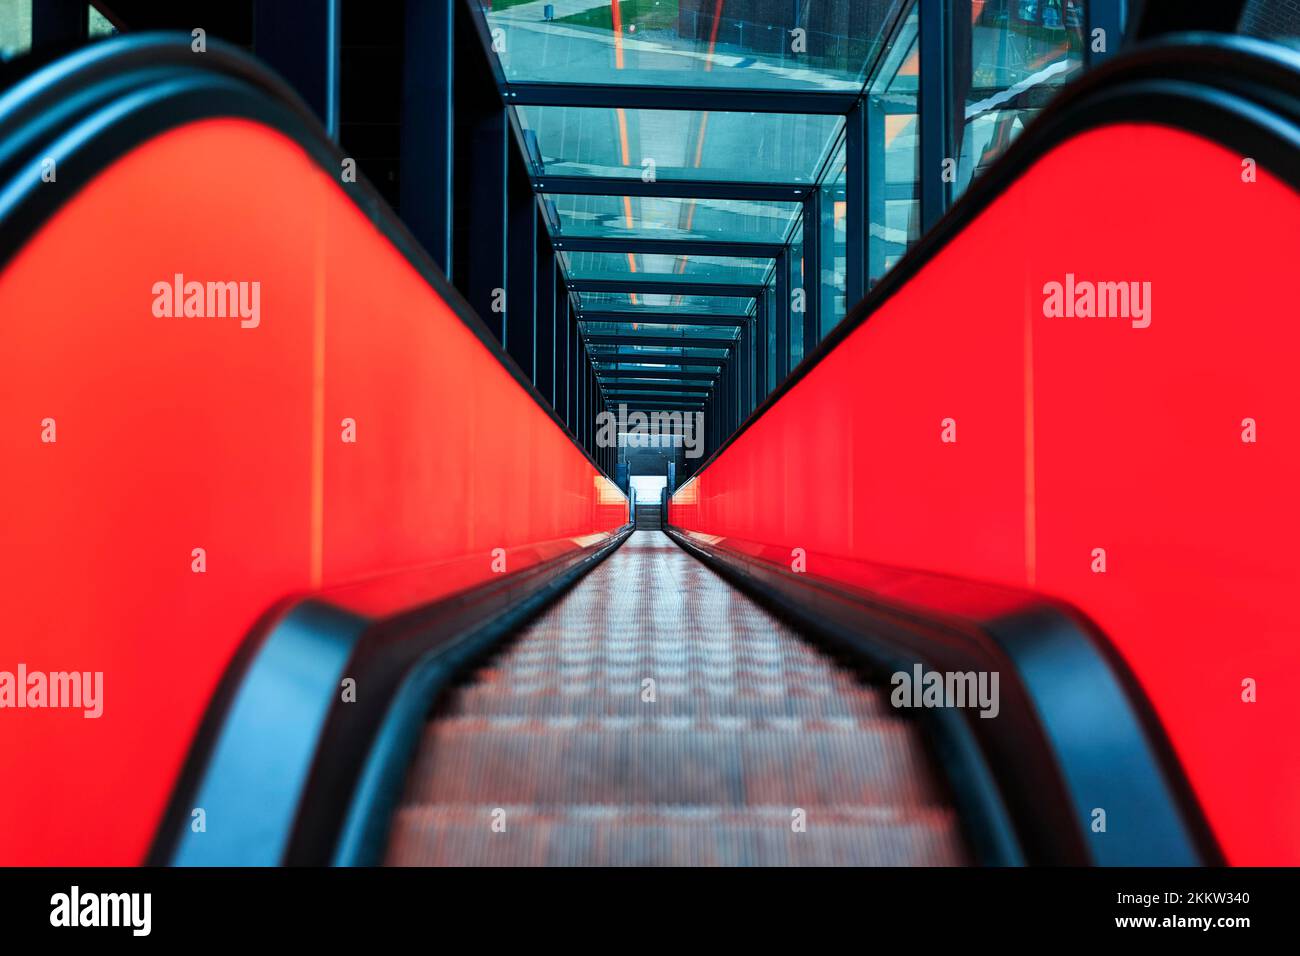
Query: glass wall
[798,296]
[15,28]
[1019,52]
[834,236]
[894,154]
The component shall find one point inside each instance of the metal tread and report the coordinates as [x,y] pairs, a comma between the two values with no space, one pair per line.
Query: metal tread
[556,751]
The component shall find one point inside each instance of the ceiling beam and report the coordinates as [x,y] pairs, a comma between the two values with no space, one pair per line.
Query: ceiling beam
[701,98]
[629,377]
[640,358]
[672,189]
[665,318]
[668,247]
[663,341]
[656,405]
[693,390]
[738,290]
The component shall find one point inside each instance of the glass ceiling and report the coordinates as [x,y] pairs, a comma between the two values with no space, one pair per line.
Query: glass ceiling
[685,332]
[605,265]
[685,43]
[663,217]
[673,145]
[720,305]
[654,173]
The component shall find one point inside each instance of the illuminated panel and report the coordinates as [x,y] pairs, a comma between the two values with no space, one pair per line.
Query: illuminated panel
[182,433]
[1074,434]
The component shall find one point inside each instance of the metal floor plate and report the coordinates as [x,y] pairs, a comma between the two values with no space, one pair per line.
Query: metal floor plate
[749,747]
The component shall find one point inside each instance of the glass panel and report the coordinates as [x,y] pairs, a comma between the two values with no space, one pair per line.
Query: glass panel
[633,358]
[814,44]
[97,25]
[893,155]
[798,299]
[656,353]
[632,329]
[673,218]
[834,235]
[1021,53]
[665,145]
[626,302]
[623,395]
[15,28]
[608,265]
[630,379]
[1271,20]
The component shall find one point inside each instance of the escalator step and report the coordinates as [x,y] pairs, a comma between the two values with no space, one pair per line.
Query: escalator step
[731,762]
[745,729]
[654,836]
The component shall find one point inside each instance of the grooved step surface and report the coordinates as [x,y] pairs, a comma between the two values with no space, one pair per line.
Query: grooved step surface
[657,716]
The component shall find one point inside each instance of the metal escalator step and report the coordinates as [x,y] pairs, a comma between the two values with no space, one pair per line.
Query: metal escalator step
[732,762]
[745,724]
[591,699]
[654,836]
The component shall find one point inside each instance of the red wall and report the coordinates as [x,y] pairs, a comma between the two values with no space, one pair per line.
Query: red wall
[180,433]
[1075,434]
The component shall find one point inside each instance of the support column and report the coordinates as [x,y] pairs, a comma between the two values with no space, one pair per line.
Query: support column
[428,127]
[933,107]
[812,270]
[521,275]
[782,316]
[300,39]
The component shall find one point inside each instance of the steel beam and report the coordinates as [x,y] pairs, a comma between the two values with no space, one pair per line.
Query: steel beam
[429,126]
[669,247]
[666,318]
[782,304]
[812,271]
[934,107]
[663,341]
[680,189]
[700,98]
[630,377]
[856,222]
[649,389]
[640,358]
[736,290]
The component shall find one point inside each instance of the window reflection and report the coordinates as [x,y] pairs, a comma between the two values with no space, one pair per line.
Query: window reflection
[1020,53]
[894,154]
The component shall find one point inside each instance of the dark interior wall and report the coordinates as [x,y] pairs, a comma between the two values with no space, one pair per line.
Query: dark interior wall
[229,20]
[370,91]
[370,67]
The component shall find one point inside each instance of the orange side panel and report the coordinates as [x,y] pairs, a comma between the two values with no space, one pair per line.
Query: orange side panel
[1076,434]
[175,433]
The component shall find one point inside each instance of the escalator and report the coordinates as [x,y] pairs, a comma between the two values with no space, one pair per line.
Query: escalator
[330,651]
[657,716]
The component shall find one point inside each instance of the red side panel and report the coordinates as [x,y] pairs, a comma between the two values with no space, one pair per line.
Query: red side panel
[1075,434]
[183,433]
